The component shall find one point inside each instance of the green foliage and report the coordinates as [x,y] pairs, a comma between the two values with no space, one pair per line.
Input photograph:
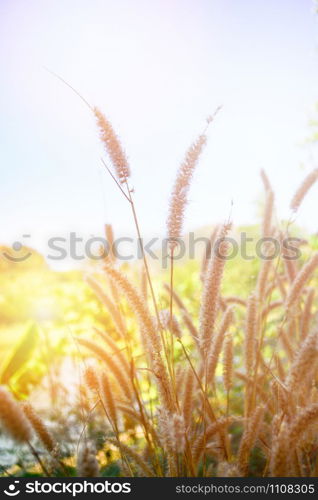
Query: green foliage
[20,355]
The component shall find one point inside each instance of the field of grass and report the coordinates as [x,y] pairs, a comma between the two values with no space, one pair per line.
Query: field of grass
[207,368]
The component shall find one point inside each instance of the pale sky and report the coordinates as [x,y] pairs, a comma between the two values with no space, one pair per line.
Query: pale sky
[156,69]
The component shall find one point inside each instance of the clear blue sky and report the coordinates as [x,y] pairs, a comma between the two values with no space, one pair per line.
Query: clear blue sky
[157,69]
